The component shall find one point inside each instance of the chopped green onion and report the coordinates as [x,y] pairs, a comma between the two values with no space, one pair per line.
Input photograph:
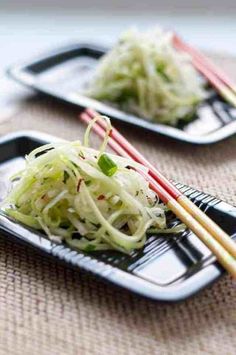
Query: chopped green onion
[89,248]
[107,165]
[161,70]
[65,176]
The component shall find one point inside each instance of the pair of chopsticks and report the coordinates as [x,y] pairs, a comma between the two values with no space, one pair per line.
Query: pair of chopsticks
[219,242]
[213,74]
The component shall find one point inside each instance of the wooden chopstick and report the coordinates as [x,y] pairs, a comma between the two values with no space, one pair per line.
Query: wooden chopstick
[179,43]
[175,200]
[219,81]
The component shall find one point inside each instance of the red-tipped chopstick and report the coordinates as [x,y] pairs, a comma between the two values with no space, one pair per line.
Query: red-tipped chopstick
[176,201]
[215,76]
[179,43]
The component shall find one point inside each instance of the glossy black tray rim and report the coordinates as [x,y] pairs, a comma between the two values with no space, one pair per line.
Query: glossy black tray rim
[204,277]
[21,73]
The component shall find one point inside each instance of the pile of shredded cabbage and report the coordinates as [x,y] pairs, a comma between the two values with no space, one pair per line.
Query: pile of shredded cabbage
[146,75]
[90,199]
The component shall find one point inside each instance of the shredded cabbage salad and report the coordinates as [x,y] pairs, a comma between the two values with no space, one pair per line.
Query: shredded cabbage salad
[146,75]
[90,199]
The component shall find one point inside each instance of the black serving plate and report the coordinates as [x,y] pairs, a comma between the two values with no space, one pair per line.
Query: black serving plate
[168,268]
[63,74]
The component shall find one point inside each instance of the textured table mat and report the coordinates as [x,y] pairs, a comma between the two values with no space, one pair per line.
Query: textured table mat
[46,308]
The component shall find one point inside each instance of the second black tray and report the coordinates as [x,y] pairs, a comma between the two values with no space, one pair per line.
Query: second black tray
[63,73]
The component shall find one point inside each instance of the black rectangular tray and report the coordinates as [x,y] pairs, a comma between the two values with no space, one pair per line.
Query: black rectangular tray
[62,74]
[167,268]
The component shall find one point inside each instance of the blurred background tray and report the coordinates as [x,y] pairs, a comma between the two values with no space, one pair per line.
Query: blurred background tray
[63,74]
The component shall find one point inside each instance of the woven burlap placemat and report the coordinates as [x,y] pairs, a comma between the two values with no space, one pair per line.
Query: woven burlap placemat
[46,308]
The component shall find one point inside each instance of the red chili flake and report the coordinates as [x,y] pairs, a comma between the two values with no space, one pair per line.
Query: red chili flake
[101,197]
[130,167]
[78,185]
[45,198]
[110,132]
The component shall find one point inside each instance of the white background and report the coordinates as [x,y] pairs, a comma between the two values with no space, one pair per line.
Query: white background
[28,27]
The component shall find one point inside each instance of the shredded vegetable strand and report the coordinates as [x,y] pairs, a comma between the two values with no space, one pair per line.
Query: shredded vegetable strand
[88,130]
